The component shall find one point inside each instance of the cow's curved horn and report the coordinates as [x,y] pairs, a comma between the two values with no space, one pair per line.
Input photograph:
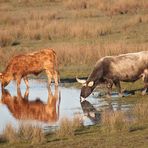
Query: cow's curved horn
[80,81]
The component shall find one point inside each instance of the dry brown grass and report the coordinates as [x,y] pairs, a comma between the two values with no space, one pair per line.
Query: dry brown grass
[5,38]
[140,112]
[135,20]
[42,29]
[32,133]
[39,29]
[80,37]
[30,2]
[110,7]
[25,133]
[72,54]
[67,127]
[69,54]
[10,134]
[114,121]
[135,119]
[77,4]
[122,6]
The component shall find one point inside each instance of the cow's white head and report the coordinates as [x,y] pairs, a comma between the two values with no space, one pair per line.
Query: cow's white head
[87,88]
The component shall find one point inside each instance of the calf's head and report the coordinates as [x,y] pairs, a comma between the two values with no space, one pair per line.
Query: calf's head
[87,88]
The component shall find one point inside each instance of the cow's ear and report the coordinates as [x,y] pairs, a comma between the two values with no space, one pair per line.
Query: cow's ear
[91,83]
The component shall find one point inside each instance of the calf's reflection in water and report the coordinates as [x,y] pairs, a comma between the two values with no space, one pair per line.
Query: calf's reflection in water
[23,109]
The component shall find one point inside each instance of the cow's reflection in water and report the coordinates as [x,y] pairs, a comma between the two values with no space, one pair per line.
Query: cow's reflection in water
[94,114]
[91,112]
[23,109]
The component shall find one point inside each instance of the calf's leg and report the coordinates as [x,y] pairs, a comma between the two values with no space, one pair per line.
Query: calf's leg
[18,82]
[49,75]
[26,82]
[56,77]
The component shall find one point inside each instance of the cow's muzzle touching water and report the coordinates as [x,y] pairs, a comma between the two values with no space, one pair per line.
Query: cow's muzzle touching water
[87,88]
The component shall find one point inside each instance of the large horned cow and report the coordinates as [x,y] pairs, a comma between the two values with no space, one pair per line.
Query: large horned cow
[113,69]
[32,63]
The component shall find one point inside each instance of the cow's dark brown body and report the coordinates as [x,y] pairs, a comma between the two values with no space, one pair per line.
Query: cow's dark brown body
[113,69]
[33,63]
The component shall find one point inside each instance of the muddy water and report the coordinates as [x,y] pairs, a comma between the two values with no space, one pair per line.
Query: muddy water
[44,106]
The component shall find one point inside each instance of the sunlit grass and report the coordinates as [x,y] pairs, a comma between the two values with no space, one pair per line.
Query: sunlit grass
[68,127]
[25,133]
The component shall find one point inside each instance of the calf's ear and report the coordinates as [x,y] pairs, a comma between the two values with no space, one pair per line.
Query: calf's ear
[91,83]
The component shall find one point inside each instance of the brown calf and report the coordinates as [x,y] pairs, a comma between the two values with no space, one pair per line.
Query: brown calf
[33,63]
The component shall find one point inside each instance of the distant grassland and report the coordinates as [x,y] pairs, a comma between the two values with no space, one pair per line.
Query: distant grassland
[80,31]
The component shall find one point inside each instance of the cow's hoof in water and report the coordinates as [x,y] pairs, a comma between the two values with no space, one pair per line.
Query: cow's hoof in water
[121,95]
[108,96]
[56,85]
[143,92]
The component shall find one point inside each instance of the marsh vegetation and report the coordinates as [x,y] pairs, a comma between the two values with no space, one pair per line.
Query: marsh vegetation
[80,32]
[91,29]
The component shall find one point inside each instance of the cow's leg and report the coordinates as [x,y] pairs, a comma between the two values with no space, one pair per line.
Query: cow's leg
[109,88]
[49,75]
[145,79]
[145,88]
[56,77]
[118,86]
[26,81]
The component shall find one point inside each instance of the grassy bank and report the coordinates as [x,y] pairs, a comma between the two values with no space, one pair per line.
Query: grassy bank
[115,129]
[91,137]
[80,32]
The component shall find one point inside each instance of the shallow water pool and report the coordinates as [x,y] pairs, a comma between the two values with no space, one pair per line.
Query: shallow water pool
[46,106]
